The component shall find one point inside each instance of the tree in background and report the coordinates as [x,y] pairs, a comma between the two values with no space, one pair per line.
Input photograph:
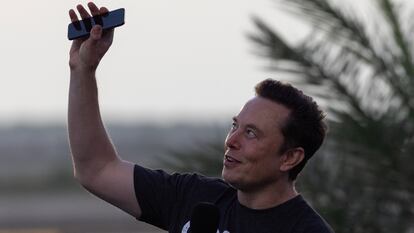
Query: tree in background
[363,73]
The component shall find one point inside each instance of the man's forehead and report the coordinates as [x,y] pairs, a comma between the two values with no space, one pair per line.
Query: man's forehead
[259,109]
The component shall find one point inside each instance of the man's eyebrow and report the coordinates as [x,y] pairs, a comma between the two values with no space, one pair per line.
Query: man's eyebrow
[251,126]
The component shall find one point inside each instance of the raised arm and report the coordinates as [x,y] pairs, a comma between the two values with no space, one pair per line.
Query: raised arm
[96,163]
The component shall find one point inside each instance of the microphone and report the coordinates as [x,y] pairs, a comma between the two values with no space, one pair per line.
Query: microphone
[204,218]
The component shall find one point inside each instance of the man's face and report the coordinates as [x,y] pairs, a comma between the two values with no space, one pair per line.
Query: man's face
[252,159]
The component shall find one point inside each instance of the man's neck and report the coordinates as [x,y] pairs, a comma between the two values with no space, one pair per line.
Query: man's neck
[267,197]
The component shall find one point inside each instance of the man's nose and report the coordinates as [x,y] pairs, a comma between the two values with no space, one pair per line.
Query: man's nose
[233,139]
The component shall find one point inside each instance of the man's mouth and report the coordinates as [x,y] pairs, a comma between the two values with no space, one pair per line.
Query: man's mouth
[231,159]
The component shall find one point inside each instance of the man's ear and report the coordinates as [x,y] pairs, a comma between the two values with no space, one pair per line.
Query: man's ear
[291,158]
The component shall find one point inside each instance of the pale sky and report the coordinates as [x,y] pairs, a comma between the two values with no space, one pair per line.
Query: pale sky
[173,59]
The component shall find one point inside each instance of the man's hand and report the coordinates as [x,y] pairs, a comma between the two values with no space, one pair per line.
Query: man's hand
[85,54]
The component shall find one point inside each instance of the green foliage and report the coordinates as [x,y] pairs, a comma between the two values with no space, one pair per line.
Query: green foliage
[57,179]
[204,156]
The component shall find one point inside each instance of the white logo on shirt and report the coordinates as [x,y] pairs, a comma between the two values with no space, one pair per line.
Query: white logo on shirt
[187,226]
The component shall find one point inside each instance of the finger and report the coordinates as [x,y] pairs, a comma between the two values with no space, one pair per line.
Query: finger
[83,12]
[73,16]
[96,32]
[93,8]
[103,10]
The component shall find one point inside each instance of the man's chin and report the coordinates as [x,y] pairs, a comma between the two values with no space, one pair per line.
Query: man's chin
[229,180]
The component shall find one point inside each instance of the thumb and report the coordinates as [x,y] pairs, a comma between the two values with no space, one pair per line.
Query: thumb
[96,32]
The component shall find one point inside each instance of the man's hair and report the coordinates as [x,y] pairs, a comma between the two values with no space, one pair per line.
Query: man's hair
[304,127]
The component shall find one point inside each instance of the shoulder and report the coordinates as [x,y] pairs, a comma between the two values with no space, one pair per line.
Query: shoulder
[316,224]
[304,218]
[310,220]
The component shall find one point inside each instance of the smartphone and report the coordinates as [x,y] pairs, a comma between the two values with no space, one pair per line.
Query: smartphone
[108,20]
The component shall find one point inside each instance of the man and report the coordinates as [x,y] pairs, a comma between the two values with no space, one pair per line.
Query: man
[271,139]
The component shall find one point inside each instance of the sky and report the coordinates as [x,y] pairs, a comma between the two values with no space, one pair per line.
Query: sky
[172,60]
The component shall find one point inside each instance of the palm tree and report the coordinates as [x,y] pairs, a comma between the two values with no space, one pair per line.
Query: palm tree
[364,73]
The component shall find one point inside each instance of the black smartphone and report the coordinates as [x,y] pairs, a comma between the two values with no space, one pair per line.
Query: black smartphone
[108,20]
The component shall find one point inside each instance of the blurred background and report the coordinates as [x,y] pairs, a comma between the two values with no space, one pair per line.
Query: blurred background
[176,74]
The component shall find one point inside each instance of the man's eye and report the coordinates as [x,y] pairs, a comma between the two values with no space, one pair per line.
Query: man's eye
[251,133]
[234,125]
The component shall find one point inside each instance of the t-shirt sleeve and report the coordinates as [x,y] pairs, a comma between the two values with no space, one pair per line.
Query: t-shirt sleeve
[166,199]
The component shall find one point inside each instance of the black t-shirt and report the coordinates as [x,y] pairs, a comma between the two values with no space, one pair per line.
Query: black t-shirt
[167,202]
